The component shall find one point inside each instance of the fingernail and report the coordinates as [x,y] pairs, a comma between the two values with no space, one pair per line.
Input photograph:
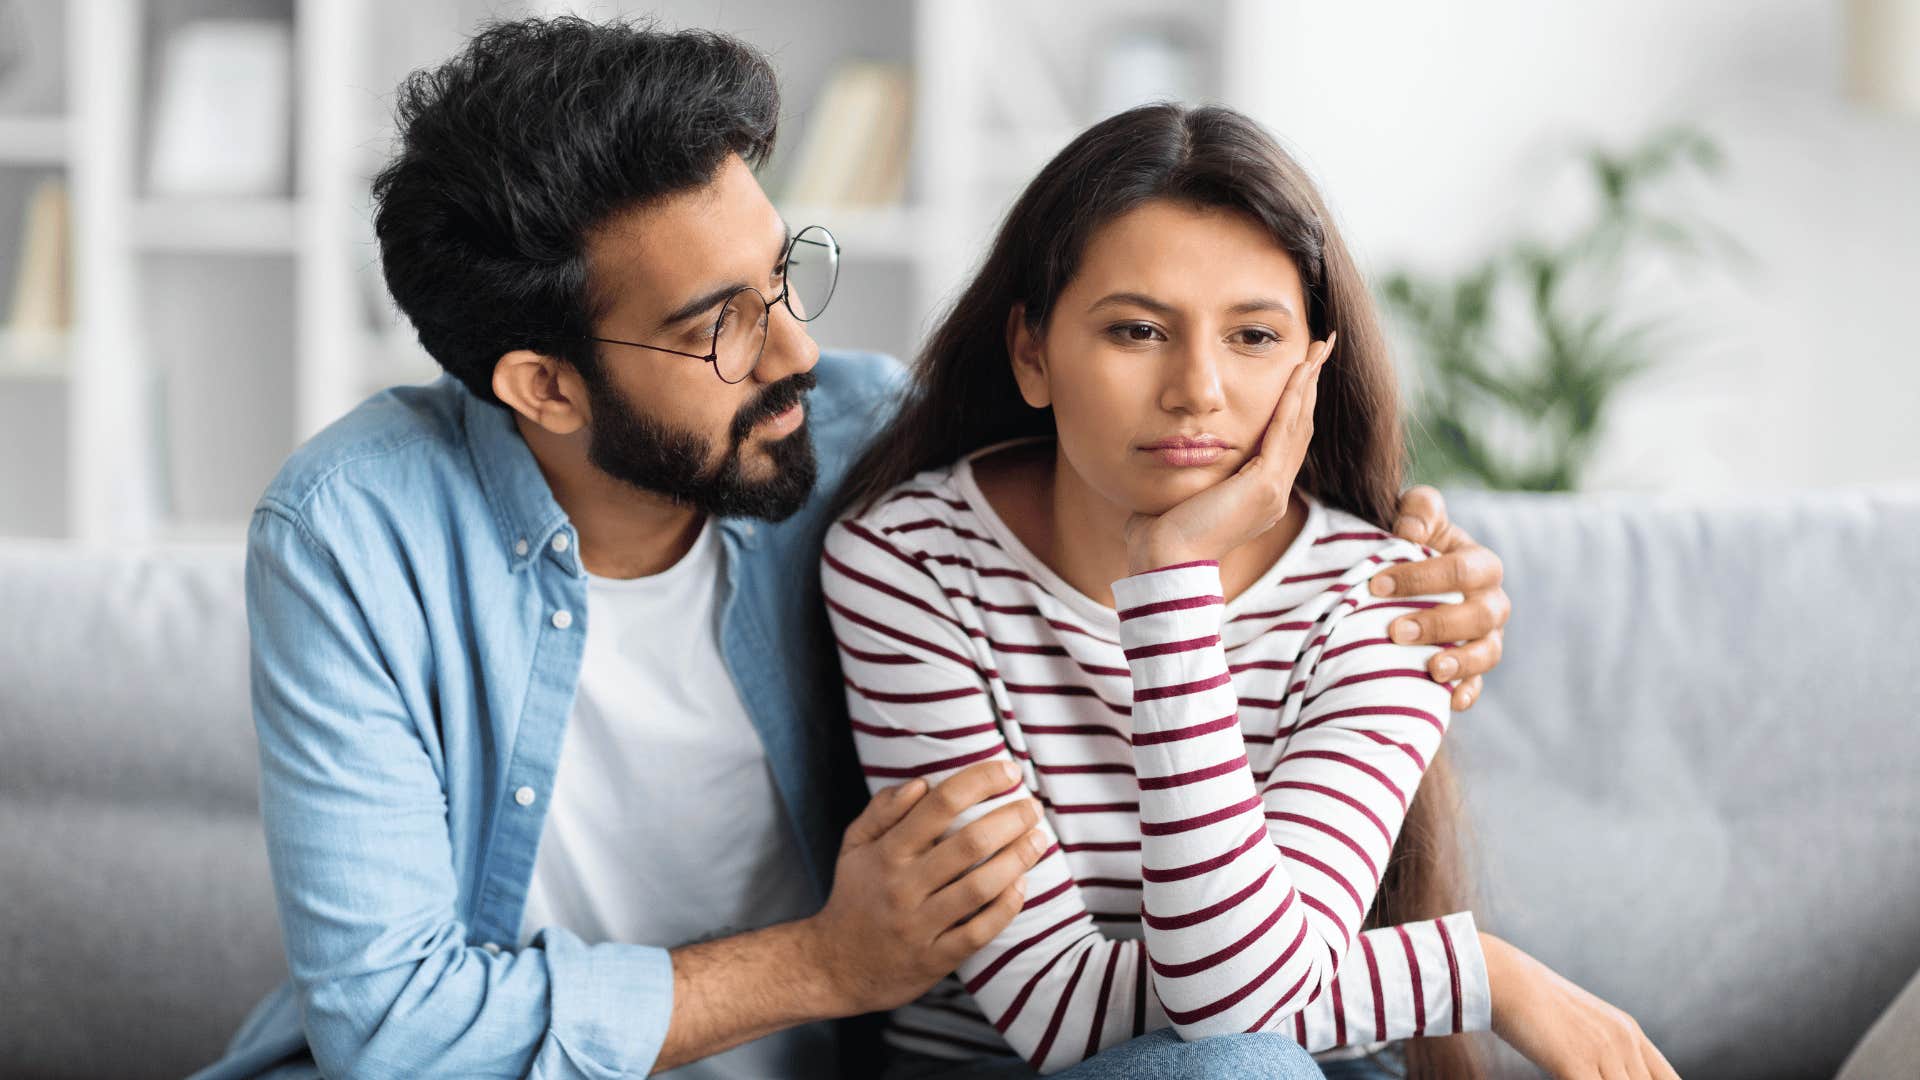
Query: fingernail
[1445,668]
[1405,630]
[1036,843]
[1382,585]
[1409,527]
[912,787]
[1007,770]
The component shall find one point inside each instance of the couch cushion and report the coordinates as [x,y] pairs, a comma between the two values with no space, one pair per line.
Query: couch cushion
[1695,778]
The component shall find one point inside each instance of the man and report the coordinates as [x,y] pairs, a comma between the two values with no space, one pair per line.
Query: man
[581,531]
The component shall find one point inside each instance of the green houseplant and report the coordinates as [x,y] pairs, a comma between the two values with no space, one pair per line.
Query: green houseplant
[1519,356]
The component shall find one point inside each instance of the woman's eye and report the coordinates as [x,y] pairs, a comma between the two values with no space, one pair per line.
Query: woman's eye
[1134,332]
[1255,338]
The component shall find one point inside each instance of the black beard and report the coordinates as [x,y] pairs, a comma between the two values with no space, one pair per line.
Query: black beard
[648,454]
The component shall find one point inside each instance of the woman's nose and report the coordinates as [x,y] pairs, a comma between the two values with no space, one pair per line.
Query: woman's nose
[1193,382]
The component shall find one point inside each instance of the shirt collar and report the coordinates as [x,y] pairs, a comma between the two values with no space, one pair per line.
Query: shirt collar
[523,505]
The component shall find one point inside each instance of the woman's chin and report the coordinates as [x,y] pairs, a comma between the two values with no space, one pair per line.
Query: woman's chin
[1157,494]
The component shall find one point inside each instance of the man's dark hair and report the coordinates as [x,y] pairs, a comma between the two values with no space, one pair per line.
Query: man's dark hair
[514,150]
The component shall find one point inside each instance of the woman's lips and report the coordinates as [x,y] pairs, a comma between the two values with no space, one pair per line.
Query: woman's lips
[1186,452]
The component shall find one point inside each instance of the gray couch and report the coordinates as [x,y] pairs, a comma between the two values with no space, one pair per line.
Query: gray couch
[1694,784]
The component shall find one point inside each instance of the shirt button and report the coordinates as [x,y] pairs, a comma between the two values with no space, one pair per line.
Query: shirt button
[559,541]
[524,796]
[747,530]
[519,547]
[492,947]
[562,619]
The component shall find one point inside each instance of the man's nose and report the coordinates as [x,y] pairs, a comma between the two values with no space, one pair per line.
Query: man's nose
[789,350]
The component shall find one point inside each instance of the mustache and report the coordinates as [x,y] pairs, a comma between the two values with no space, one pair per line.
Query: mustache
[772,401]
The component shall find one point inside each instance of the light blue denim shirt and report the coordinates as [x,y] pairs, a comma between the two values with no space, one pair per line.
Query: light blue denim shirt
[418,610]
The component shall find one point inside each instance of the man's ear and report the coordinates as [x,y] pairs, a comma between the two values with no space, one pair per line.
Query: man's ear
[546,391]
[1028,358]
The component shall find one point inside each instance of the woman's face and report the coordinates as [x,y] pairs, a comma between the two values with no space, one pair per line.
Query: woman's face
[1165,355]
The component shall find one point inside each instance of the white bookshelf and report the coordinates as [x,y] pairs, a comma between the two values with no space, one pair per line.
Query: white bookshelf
[212,335]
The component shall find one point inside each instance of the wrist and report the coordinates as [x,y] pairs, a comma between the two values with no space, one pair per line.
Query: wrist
[1502,974]
[1146,557]
[812,962]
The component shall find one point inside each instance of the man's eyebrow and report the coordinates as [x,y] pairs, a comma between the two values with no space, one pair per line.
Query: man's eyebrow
[706,301]
[712,298]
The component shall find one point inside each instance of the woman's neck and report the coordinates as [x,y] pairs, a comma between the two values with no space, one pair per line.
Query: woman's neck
[1080,534]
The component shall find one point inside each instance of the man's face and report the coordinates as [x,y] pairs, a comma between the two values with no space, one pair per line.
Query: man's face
[667,423]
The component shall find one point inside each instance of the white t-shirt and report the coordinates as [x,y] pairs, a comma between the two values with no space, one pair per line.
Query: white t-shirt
[666,827]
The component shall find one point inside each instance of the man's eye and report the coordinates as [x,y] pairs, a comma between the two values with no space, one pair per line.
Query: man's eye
[780,271]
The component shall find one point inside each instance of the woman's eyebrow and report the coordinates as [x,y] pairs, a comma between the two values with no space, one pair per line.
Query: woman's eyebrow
[1134,299]
[1161,307]
[1261,303]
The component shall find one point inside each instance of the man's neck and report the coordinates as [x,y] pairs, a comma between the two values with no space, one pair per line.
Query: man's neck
[624,532]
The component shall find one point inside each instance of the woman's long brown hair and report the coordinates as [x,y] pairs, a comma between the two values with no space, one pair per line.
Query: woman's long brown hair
[964,396]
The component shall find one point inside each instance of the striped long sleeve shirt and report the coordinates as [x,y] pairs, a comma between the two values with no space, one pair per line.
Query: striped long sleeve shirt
[1221,782]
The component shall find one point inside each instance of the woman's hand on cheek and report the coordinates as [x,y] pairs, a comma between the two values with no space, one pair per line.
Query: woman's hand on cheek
[1213,522]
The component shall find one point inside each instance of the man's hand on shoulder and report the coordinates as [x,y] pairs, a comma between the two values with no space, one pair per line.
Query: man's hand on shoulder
[1477,623]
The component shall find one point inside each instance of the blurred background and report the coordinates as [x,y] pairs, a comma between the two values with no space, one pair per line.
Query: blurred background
[1626,246]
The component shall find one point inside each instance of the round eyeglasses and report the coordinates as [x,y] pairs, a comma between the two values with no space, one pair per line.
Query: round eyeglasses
[809,269]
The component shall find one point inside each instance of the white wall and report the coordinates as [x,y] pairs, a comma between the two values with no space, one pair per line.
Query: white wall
[1440,129]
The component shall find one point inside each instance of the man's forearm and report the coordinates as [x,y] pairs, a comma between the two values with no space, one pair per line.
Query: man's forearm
[737,989]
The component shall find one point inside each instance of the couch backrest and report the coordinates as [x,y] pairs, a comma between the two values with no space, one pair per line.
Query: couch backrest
[140,919]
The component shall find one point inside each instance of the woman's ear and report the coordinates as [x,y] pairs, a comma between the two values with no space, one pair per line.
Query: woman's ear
[1029,360]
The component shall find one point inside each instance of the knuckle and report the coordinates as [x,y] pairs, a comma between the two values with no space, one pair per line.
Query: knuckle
[949,800]
[975,843]
[1502,605]
[978,888]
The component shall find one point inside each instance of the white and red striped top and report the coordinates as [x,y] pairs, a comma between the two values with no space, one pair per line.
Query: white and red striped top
[1222,782]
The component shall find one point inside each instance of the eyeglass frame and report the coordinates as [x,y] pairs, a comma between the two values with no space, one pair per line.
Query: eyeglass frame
[785,297]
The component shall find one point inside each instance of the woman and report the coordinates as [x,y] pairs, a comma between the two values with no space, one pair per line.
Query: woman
[1138,584]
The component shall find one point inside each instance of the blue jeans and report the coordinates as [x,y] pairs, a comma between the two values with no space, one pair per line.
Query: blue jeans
[1159,1054]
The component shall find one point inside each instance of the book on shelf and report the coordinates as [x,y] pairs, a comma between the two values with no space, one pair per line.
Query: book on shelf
[854,150]
[41,307]
[223,117]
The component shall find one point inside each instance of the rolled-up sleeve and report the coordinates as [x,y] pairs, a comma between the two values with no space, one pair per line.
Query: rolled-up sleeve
[356,816]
